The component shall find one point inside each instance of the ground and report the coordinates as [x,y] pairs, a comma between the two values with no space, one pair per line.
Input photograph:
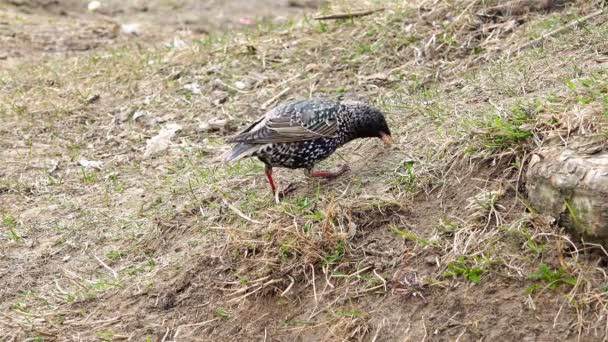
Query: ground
[119,222]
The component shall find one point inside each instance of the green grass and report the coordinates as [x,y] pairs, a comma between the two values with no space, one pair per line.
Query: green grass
[549,278]
[222,313]
[499,132]
[10,223]
[469,268]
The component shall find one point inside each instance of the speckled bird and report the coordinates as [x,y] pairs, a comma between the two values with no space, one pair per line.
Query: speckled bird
[299,134]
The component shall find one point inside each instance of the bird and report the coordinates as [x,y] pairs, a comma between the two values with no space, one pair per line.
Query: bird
[300,133]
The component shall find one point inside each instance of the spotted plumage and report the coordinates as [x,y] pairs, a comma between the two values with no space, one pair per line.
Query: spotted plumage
[299,134]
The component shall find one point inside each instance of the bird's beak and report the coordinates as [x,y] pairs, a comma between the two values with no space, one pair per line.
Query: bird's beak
[387,139]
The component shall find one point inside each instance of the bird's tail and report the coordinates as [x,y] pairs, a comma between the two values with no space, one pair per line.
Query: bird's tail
[238,152]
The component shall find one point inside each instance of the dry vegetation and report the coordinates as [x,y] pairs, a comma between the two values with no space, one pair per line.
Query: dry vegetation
[430,240]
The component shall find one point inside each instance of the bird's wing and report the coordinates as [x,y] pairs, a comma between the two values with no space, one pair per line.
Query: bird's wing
[295,121]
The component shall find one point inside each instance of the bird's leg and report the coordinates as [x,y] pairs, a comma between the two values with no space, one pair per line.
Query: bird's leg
[268,172]
[328,173]
[290,188]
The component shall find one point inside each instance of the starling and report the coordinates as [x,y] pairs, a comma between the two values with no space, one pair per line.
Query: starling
[298,134]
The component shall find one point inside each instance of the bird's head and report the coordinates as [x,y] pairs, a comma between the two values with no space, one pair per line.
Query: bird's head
[368,122]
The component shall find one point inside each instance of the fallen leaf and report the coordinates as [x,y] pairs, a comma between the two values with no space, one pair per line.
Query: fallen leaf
[162,140]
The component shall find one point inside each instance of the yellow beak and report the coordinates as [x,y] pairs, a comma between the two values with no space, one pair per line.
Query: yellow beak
[387,139]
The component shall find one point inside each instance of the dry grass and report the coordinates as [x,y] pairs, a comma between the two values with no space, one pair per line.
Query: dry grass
[433,239]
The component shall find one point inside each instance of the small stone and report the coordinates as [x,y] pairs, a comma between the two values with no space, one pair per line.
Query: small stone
[240,85]
[193,87]
[94,6]
[177,44]
[131,28]
[214,124]
[138,114]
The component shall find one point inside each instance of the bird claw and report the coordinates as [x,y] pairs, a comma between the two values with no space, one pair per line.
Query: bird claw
[283,193]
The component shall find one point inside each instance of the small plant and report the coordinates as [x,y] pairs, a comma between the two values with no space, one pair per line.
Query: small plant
[499,132]
[552,278]
[102,285]
[105,336]
[411,236]
[406,178]
[221,313]
[349,313]
[88,177]
[335,256]
[147,267]
[286,249]
[116,184]
[114,254]
[537,247]
[469,268]
[11,223]
[20,307]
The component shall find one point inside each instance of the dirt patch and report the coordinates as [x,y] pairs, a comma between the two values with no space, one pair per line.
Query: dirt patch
[36,29]
[430,240]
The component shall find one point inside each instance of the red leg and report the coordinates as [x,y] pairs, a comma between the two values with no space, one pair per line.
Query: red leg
[270,180]
[328,174]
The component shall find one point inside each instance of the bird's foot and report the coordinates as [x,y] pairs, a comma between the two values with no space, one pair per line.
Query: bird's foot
[330,173]
[279,195]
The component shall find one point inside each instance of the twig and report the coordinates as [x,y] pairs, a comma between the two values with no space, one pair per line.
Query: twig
[314,287]
[268,283]
[274,98]
[238,212]
[191,325]
[348,15]
[288,287]
[424,327]
[107,267]
[382,279]
[554,32]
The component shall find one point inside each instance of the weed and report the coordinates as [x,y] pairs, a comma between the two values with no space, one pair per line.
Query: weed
[470,268]
[102,285]
[116,184]
[552,278]
[115,254]
[223,314]
[497,132]
[105,336]
[20,307]
[349,313]
[411,236]
[10,223]
[406,179]
[88,177]
[335,256]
